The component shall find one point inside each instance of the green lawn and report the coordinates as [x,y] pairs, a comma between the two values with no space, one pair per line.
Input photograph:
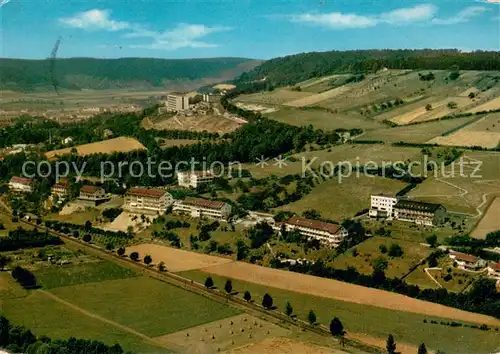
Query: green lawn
[338,201]
[378,322]
[45,316]
[146,305]
[57,276]
[369,250]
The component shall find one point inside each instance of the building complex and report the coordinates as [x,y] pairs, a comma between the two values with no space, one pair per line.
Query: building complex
[177,102]
[61,189]
[194,178]
[148,199]
[21,184]
[327,233]
[198,207]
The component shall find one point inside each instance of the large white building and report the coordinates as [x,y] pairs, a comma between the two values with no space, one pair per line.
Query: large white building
[21,184]
[466,261]
[92,194]
[330,234]
[494,270]
[194,178]
[177,102]
[382,206]
[211,97]
[198,207]
[148,199]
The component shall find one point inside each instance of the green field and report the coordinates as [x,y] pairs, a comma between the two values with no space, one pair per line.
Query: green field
[57,276]
[369,250]
[146,305]
[338,201]
[45,316]
[370,320]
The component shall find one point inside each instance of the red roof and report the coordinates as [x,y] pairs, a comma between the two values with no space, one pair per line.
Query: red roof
[63,183]
[495,266]
[90,189]
[313,224]
[464,257]
[204,203]
[146,192]
[21,180]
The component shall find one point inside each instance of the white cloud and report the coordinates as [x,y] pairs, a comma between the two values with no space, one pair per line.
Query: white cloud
[95,19]
[182,36]
[463,16]
[4,2]
[489,1]
[417,13]
[337,20]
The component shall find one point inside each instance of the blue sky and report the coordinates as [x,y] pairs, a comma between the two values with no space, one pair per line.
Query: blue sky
[241,28]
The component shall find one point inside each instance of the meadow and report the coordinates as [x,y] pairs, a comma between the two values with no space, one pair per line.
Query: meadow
[369,250]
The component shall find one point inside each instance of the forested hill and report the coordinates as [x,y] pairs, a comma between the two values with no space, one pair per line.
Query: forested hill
[90,73]
[292,69]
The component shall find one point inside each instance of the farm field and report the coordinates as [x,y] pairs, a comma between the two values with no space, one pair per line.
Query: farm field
[135,302]
[120,144]
[166,143]
[485,133]
[418,133]
[468,193]
[354,192]
[283,346]
[276,97]
[353,153]
[66,275]
[322,119]
[369,250]
[490,221]
[487,106]
[212,124]
[45,316]
[358,319]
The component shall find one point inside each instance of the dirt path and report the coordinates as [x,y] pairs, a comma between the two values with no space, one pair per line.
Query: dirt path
[102,319]
[430,275]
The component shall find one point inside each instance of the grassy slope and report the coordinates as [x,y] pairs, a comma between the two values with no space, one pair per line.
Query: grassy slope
[370,320]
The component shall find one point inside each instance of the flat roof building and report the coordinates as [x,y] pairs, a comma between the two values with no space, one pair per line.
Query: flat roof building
[177,102]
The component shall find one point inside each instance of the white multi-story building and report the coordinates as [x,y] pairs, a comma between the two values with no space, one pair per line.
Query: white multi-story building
[21,184]
[382,206]
[148,199]
[494,270]
[194,178]
[428,214]
[92,193]
[211,97]
[61,188]
[330,234]
[466,261]
[177,102]
[198,207]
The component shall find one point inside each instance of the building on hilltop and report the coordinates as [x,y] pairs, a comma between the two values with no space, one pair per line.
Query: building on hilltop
[21,184]
[382,206]
[61,188]
[198,207]
[494,270]
[327,233]
[92,194]
[420,213]
[177,102]
[194,178]
[466,261]
[149,199]
[212,97]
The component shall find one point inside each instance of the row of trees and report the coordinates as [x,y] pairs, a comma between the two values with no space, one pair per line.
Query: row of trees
[21,238]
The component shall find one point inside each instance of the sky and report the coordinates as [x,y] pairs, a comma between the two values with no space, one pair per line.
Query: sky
[259,29]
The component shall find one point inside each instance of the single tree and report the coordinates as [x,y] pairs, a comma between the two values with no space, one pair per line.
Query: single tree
[228,286]
[120,251]
[311,317]
[422,349]
[88,226]
[395,250]
[391,345]
[428,107]
[161,266]
[288,309]
[267,301]
[336,327]
[209,282]
[247,296]
[76,234]
[87,238]
[432,240]
[4,260]
[109,246]
[148,260]
[134,256]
